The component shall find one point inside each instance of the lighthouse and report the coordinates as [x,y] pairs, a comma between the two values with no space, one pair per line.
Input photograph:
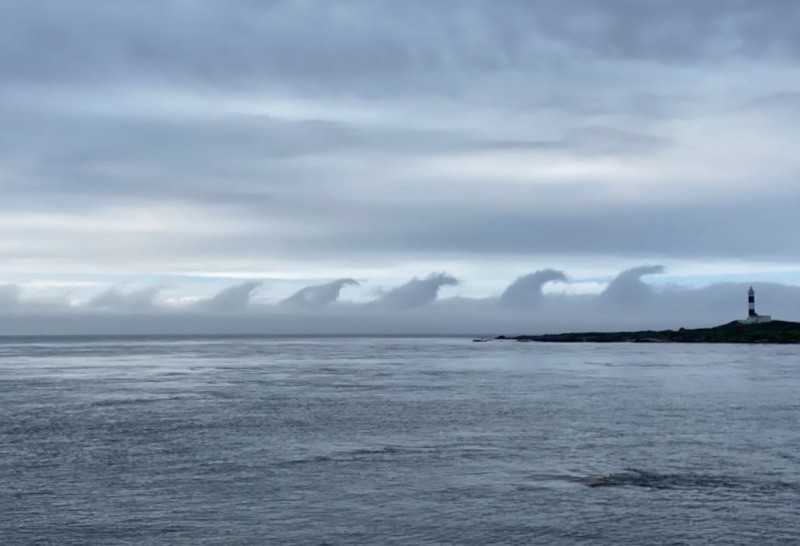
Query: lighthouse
[752,316]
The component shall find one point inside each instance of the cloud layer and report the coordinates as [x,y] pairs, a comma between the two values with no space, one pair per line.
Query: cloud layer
[626,302]
[312,140]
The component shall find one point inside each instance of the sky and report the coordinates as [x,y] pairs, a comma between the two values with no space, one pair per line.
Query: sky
[375,166]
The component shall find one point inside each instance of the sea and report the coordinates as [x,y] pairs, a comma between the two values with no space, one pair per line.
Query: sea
[396,441]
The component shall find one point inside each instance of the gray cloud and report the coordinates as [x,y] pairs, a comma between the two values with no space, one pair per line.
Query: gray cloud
[114,299]
[318,295]
[627,288]
[683,30]
[627,303]
[219,137]
[526,291]
[9,296]
[14,300]
[244,41]
[671,307]
[416,292]
[685,228]
[232,299]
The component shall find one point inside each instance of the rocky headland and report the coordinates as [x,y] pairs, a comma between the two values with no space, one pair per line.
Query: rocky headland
[777,331]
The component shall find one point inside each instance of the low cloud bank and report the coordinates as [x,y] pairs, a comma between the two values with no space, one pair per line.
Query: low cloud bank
[9,296]
[114,299]
[628,302]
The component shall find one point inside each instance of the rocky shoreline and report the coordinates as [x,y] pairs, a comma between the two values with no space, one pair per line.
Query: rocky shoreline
[775,332]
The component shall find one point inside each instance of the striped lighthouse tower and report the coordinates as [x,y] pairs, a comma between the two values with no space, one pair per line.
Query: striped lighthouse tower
[751,303]
[752,316]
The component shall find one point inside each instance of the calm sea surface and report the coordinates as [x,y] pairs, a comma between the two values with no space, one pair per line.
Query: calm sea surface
[396,441]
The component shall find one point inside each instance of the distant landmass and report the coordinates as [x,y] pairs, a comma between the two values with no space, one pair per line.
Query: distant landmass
[776,331]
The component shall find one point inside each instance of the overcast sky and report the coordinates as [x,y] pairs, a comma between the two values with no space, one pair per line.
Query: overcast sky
[221,155]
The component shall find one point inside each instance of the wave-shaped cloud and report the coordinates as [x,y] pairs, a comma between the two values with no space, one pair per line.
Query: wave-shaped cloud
[318,295]
[417,292]
[526,291]
[232,299]
[627,288]
[414,307]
